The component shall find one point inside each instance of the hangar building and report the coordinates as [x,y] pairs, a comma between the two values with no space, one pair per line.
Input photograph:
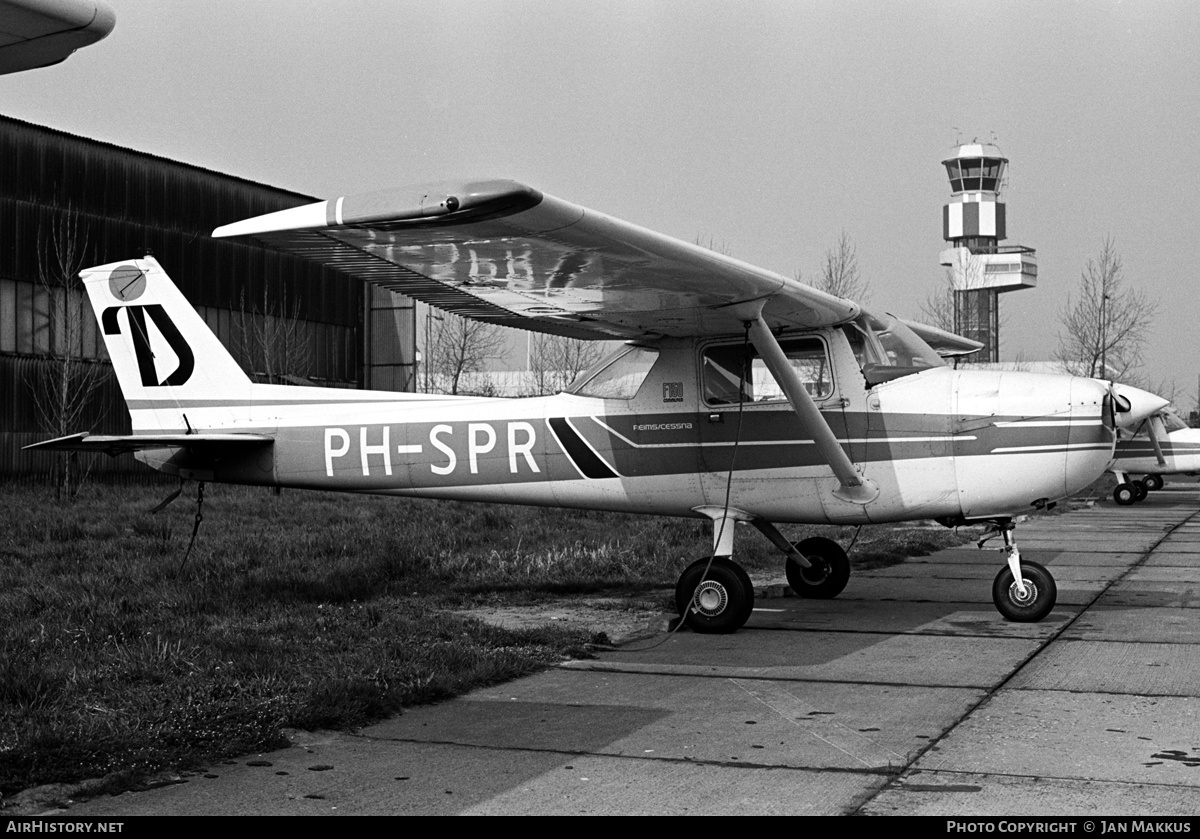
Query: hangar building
[68,203]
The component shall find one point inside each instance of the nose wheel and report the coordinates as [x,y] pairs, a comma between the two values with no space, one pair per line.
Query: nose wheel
[1129,493]
[1027,603]
[1023,591]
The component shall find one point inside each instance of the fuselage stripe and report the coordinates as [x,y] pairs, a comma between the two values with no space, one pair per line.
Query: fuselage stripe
[1059,448]
[593,449]
[586,461]
[1047,423]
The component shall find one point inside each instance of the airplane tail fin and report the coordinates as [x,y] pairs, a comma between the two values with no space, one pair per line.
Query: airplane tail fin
[166,358]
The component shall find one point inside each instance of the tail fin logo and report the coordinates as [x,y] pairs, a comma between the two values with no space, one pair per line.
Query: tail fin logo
[141,342]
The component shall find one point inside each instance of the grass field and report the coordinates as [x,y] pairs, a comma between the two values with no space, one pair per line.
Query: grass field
[297,610]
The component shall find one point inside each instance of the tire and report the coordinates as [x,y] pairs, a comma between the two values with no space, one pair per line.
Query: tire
[717,603]
[1152,483]
[829,574]
[1041,593]
[1124,494]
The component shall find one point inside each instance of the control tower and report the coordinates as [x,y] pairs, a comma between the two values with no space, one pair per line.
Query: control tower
[981,268]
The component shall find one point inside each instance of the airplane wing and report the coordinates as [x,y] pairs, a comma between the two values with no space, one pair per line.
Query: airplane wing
[38,33]
[113,445]
[504,253]
[946,344]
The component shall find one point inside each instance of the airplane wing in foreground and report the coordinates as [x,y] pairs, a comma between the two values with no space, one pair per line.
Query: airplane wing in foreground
[501,252]
[39,33]
[210,444]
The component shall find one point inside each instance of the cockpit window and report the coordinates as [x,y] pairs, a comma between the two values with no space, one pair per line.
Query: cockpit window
[725,370]
[619,376]
[886,349]
[1172,422]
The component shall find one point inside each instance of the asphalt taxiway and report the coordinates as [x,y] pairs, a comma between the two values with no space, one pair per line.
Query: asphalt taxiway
[908,694]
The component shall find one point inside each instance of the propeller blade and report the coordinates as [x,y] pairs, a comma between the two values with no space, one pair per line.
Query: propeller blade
[1134,405]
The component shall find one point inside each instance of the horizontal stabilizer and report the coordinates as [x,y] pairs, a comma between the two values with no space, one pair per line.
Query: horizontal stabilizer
[122,444]
[946,344]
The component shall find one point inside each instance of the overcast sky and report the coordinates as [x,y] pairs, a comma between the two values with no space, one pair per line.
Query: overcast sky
[765,127]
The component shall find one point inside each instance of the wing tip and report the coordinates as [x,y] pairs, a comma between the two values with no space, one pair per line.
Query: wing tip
[295,218]
[416,203]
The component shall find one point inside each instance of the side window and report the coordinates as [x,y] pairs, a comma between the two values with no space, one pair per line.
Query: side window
[622,377]
[726,367]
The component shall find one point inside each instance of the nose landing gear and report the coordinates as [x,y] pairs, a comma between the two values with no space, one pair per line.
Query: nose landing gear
[1129,491]
[1023,591]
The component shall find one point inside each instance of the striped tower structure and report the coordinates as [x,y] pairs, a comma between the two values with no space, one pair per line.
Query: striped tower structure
[973,224]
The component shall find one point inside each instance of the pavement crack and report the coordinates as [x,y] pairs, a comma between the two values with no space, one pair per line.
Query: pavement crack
[732,763]
[854,744]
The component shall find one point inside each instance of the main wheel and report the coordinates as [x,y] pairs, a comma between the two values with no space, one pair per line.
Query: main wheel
[718,602]
[1038,600]
[1124,494]
[1152,483]
[829,573]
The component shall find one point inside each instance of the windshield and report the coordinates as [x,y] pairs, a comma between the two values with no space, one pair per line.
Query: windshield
[1172,422]
[886,349]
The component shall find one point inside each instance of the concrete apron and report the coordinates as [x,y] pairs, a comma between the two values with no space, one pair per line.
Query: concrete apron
[907,694]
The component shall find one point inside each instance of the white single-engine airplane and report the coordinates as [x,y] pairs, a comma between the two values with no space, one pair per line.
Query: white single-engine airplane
[1161,445]
[740,395]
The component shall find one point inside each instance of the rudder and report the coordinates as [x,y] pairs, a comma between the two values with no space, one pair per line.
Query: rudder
[164,354]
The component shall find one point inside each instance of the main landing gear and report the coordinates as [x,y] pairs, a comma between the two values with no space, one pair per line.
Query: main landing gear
[828,571]
[1129,491]
[715,595]
[1023,591]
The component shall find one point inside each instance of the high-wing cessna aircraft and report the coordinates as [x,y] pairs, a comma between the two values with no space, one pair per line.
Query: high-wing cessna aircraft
[1161,445]
[740,395]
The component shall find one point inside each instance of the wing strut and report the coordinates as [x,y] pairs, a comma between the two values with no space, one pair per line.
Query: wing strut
[1152,428]
[854,487]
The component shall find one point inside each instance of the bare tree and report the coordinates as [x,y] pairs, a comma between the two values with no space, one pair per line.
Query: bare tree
[1105,327]
[972,303]
[951,307]
[270,339]
[840,275]
[62,398]
[462,346]
[713,245]
[938,308]
[555,362]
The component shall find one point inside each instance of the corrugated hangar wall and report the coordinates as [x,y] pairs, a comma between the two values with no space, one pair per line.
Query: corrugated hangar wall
[67,203]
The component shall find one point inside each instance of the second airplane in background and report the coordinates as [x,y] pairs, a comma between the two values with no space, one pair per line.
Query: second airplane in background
[1162,445]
